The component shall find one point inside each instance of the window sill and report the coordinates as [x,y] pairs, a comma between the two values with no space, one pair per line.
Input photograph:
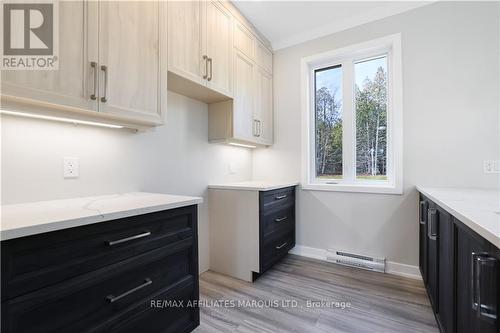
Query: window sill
[354,188]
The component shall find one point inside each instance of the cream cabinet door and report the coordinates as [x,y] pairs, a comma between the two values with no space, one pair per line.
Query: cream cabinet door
[219,47]
[131,54]
[263,113]
[243,104]
[71,84]
[185,57]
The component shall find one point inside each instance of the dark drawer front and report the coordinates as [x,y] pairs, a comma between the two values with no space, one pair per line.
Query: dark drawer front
[158,315]
[278,222]
[87,300]
[35,262]
[284,197]
[276,248]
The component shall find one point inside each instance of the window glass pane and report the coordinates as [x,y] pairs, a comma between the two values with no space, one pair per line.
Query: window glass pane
[371,118]
[328,122]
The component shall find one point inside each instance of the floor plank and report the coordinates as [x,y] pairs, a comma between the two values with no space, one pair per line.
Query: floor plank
[280,301]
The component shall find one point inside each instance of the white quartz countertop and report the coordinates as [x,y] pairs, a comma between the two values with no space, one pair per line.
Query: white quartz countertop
[478,209]
[26,219]
[253,185]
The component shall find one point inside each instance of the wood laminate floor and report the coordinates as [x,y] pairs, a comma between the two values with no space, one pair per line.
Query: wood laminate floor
[378,302]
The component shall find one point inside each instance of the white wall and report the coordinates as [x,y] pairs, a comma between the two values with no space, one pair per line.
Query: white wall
[451,124]
[175,158]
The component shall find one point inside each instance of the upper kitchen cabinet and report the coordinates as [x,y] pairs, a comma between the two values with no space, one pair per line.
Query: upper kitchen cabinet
[131,69]
[112,66]
[200,50]
[263,109]
[219,48]
[66,86]
[247,119]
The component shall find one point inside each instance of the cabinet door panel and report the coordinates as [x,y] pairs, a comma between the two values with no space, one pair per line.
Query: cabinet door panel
[185,39]
[264,57]
[129,46]
[244,41]
[424,203]
[243,98]
[476,285]
[432,256]
[67,85]
[219,47]
[263,112]
[446,266]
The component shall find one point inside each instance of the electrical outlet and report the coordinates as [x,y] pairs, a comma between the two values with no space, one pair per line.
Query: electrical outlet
[491,166]
[70,167]
[231,167]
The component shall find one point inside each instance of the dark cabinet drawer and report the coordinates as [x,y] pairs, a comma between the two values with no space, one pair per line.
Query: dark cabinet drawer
[278,221]
[38,261]
[166,312]
[284,197]
[275,248]
[92,298]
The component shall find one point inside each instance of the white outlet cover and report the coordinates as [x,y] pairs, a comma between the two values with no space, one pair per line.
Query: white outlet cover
[71,167]
[491,166]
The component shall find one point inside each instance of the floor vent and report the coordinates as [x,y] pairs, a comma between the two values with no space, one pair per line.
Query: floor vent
[356,260]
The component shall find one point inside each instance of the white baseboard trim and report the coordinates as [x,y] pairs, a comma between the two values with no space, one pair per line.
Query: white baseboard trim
[394,268]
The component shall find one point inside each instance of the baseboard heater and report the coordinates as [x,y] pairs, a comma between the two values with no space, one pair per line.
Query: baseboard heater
[356,260]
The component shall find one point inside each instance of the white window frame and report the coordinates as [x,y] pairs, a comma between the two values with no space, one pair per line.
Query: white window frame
[347,56]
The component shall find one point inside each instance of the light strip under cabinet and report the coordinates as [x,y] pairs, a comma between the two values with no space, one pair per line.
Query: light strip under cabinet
[241,145]
[60,119]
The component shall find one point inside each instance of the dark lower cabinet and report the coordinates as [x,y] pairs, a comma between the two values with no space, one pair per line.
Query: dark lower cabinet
[460,270]
[446,284]
[422,227]
[138,274]
[477,284]
[432,255]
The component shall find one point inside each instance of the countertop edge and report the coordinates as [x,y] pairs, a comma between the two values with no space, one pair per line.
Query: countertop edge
[250,188]
[490,237]
[77,222]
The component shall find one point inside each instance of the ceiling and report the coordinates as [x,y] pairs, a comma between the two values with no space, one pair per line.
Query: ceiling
[286,23]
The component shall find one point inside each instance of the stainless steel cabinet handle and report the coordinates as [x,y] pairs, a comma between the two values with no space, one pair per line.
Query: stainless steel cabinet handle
[281,246]
[112,299]
[127,239]
[484,312]
[255,127]
[258,128]
[431,224]
[279,197]
[423,206]
[280,219]
[205,57]
[93,65]
[105,71]
[209,60]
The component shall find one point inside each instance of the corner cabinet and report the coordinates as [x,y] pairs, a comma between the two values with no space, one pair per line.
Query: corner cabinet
[460,270]
[112,66]
[248,117]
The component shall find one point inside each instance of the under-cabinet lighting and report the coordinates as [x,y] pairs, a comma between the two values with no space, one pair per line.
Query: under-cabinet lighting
[64,120]
[241,145]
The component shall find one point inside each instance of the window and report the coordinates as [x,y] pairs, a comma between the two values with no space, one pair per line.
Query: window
[352,137]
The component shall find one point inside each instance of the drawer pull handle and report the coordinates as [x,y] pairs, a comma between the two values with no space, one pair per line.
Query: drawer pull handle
[483,311]
[432,232]
[423,208]
[281,246]
[123,240]
[112,298]
[280,219]
[279,197]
